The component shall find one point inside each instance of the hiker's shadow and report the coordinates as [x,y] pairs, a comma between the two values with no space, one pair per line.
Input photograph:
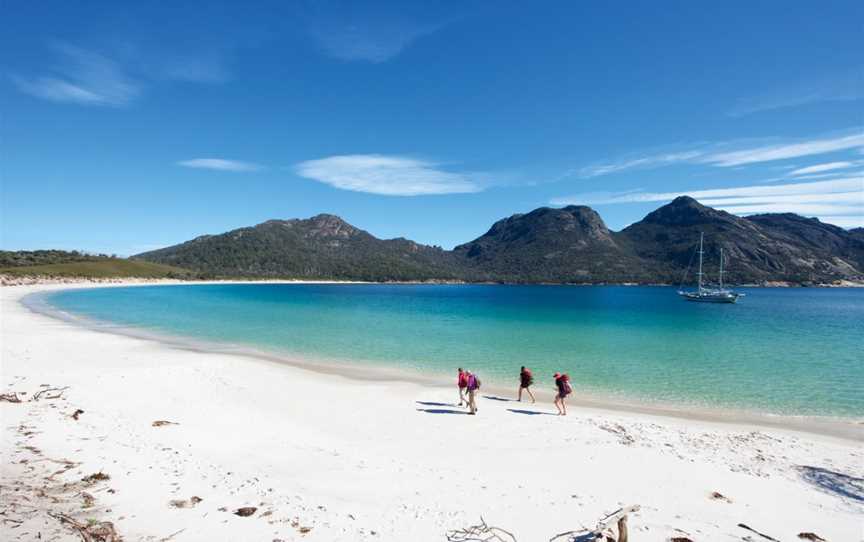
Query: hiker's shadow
[529,412]
[587,537]
[440,411]
[837,483]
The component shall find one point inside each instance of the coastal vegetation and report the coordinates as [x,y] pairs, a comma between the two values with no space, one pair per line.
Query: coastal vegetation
[26,258]
[100,268]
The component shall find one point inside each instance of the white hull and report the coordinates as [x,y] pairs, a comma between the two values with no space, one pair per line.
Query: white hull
[710,298]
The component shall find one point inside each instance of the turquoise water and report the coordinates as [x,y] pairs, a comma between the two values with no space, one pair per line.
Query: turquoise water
[783,351]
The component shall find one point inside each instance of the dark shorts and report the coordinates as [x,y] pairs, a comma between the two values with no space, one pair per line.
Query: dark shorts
[562,394]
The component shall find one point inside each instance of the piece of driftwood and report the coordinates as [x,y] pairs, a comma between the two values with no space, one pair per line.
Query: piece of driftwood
[96,531]
[44,394]
[717,496]
[603,530]
[160,423]
[481,532]
[811,536]
[183,503]
[95,477]
[763,535]
[11,397]
[245,511]
[622,529]
[171,536]
[77,413]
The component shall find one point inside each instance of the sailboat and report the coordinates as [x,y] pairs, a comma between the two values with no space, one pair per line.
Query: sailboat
[705,294]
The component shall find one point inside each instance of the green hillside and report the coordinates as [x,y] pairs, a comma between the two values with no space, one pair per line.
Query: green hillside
[102,268]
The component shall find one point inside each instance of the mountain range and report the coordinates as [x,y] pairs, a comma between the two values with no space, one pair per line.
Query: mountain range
[548,245]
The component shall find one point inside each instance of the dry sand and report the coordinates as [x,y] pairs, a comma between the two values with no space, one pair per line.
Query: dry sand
[327,457]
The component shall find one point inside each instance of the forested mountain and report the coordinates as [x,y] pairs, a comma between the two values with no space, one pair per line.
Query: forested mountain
[553,245]
[776,247]
[567,245]
[324,246]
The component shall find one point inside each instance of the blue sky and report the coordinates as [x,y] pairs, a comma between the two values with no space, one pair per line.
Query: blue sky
[127,127]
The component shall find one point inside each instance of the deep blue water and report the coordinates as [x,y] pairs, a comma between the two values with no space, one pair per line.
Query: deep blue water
[784,351]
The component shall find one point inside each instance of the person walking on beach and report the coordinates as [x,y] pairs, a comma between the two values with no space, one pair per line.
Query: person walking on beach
[473,386]
[562,382]
[525,381]
[462,382]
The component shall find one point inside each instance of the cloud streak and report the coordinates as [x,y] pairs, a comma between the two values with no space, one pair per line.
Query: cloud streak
[770,153]
[718,156]
[86,77]
[220,164]
[645,162]
[364,35]
[387,175]
[821,168]
[839,200]
[843,86]
[82,77]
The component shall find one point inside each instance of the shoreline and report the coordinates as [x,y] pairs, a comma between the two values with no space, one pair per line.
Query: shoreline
[167,443]
[13,280]
[847,428]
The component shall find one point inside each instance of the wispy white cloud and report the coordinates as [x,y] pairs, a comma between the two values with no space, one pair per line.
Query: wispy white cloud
[781,198]
[190,68]
[220,164]
[57,90]
[770,153]
[842,185]
[87,77]
[720,155]
[371,33]
[847,222]
[841,198]
[823,210]
[843,86]
[351,42]
[387,175]
[643,162]
[82,77]
[820,168]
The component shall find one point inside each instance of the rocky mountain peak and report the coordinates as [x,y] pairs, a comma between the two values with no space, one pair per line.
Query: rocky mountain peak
[684,211]
[327,225]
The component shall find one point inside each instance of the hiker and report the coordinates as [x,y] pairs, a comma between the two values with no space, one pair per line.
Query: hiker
[525,381]
[562,382]
[473,386]
[462,382]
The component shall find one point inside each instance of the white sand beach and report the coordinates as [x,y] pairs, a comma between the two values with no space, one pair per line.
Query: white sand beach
[327,457]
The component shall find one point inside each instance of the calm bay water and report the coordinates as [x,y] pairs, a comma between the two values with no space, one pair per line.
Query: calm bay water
[784,351]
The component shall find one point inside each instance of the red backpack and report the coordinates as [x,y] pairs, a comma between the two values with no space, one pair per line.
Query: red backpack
[565,384]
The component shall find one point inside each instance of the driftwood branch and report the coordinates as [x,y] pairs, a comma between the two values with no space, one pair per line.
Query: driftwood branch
[480,533]
[11,397]
[90,532]
[603,530]
[58,393]
[763,535]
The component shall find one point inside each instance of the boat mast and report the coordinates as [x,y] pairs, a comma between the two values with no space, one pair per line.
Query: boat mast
[721,268]
[701,236]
